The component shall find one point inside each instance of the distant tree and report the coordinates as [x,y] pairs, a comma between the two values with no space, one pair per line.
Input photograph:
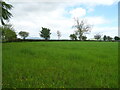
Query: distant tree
[105,38]
[58,34]
[8,33]
[73,37]
[4,11]
[45,33]
[23,34]
[2,31]
[109,38]
[82,28]
[97,36]
[116,38]
[84,38]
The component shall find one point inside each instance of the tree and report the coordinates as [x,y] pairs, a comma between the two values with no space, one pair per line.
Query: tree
[97,36]
[5,14]
[8,33]
[109,38]
[23,34]
[105,38]
[82,28]
[45,33]
[2,32]
[84,38]
[116,38]
[73,37]
[58,34]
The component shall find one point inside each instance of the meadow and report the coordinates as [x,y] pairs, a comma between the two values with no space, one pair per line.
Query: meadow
[60,64]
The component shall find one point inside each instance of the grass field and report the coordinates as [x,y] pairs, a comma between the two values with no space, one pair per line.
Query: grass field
[60,64]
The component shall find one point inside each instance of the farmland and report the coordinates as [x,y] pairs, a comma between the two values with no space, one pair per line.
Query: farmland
[60,64]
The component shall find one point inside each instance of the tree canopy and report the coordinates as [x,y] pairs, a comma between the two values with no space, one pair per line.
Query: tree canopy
[45,33]
[7,33]
[5,14]
[73,37]
[23,34]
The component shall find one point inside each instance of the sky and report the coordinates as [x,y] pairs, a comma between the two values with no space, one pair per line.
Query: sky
[31,15]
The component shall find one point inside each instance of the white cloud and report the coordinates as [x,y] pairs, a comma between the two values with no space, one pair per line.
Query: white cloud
[32,16]
[87,2]
[98,2]
[109,31]
[105,29]
[32,21]
[78,12]
[96,20]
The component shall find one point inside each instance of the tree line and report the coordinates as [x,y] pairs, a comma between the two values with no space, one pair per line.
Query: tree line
[7,32]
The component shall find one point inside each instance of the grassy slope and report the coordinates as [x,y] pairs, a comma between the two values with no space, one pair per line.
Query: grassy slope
[60,64]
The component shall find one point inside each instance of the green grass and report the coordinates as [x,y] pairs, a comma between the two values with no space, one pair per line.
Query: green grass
[60,64]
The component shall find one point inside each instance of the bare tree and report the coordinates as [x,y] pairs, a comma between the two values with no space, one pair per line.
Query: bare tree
[82,28]
[58,34]
[98,36]
[109,38]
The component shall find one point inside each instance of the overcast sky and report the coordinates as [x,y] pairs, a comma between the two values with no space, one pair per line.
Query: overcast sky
[31,15]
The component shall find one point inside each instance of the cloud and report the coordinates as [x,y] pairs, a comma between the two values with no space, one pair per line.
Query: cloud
[78,12]
[96,20]
[33,15]
[105,29]
[32,21]
[86,2]
[111,31]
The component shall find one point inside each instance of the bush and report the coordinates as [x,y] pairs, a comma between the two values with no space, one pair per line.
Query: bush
[7,33]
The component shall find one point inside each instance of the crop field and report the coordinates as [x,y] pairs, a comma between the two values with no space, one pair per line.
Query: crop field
[60,65]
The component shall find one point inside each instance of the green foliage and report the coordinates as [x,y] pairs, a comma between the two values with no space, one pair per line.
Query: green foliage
[105,38]
[60,65]
[84,38]
[116,38]
[45,33]
[73,37]
[4,10]
[7,33]
[23,34]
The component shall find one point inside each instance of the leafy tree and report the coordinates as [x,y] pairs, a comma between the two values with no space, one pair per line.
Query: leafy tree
[105,38]
[4,11]
[23,34]
[84,38]
[116,38]
[45,33]
[82,28]
[1,32]
[58,34]
[97,36]
[8,33]
[73,37]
